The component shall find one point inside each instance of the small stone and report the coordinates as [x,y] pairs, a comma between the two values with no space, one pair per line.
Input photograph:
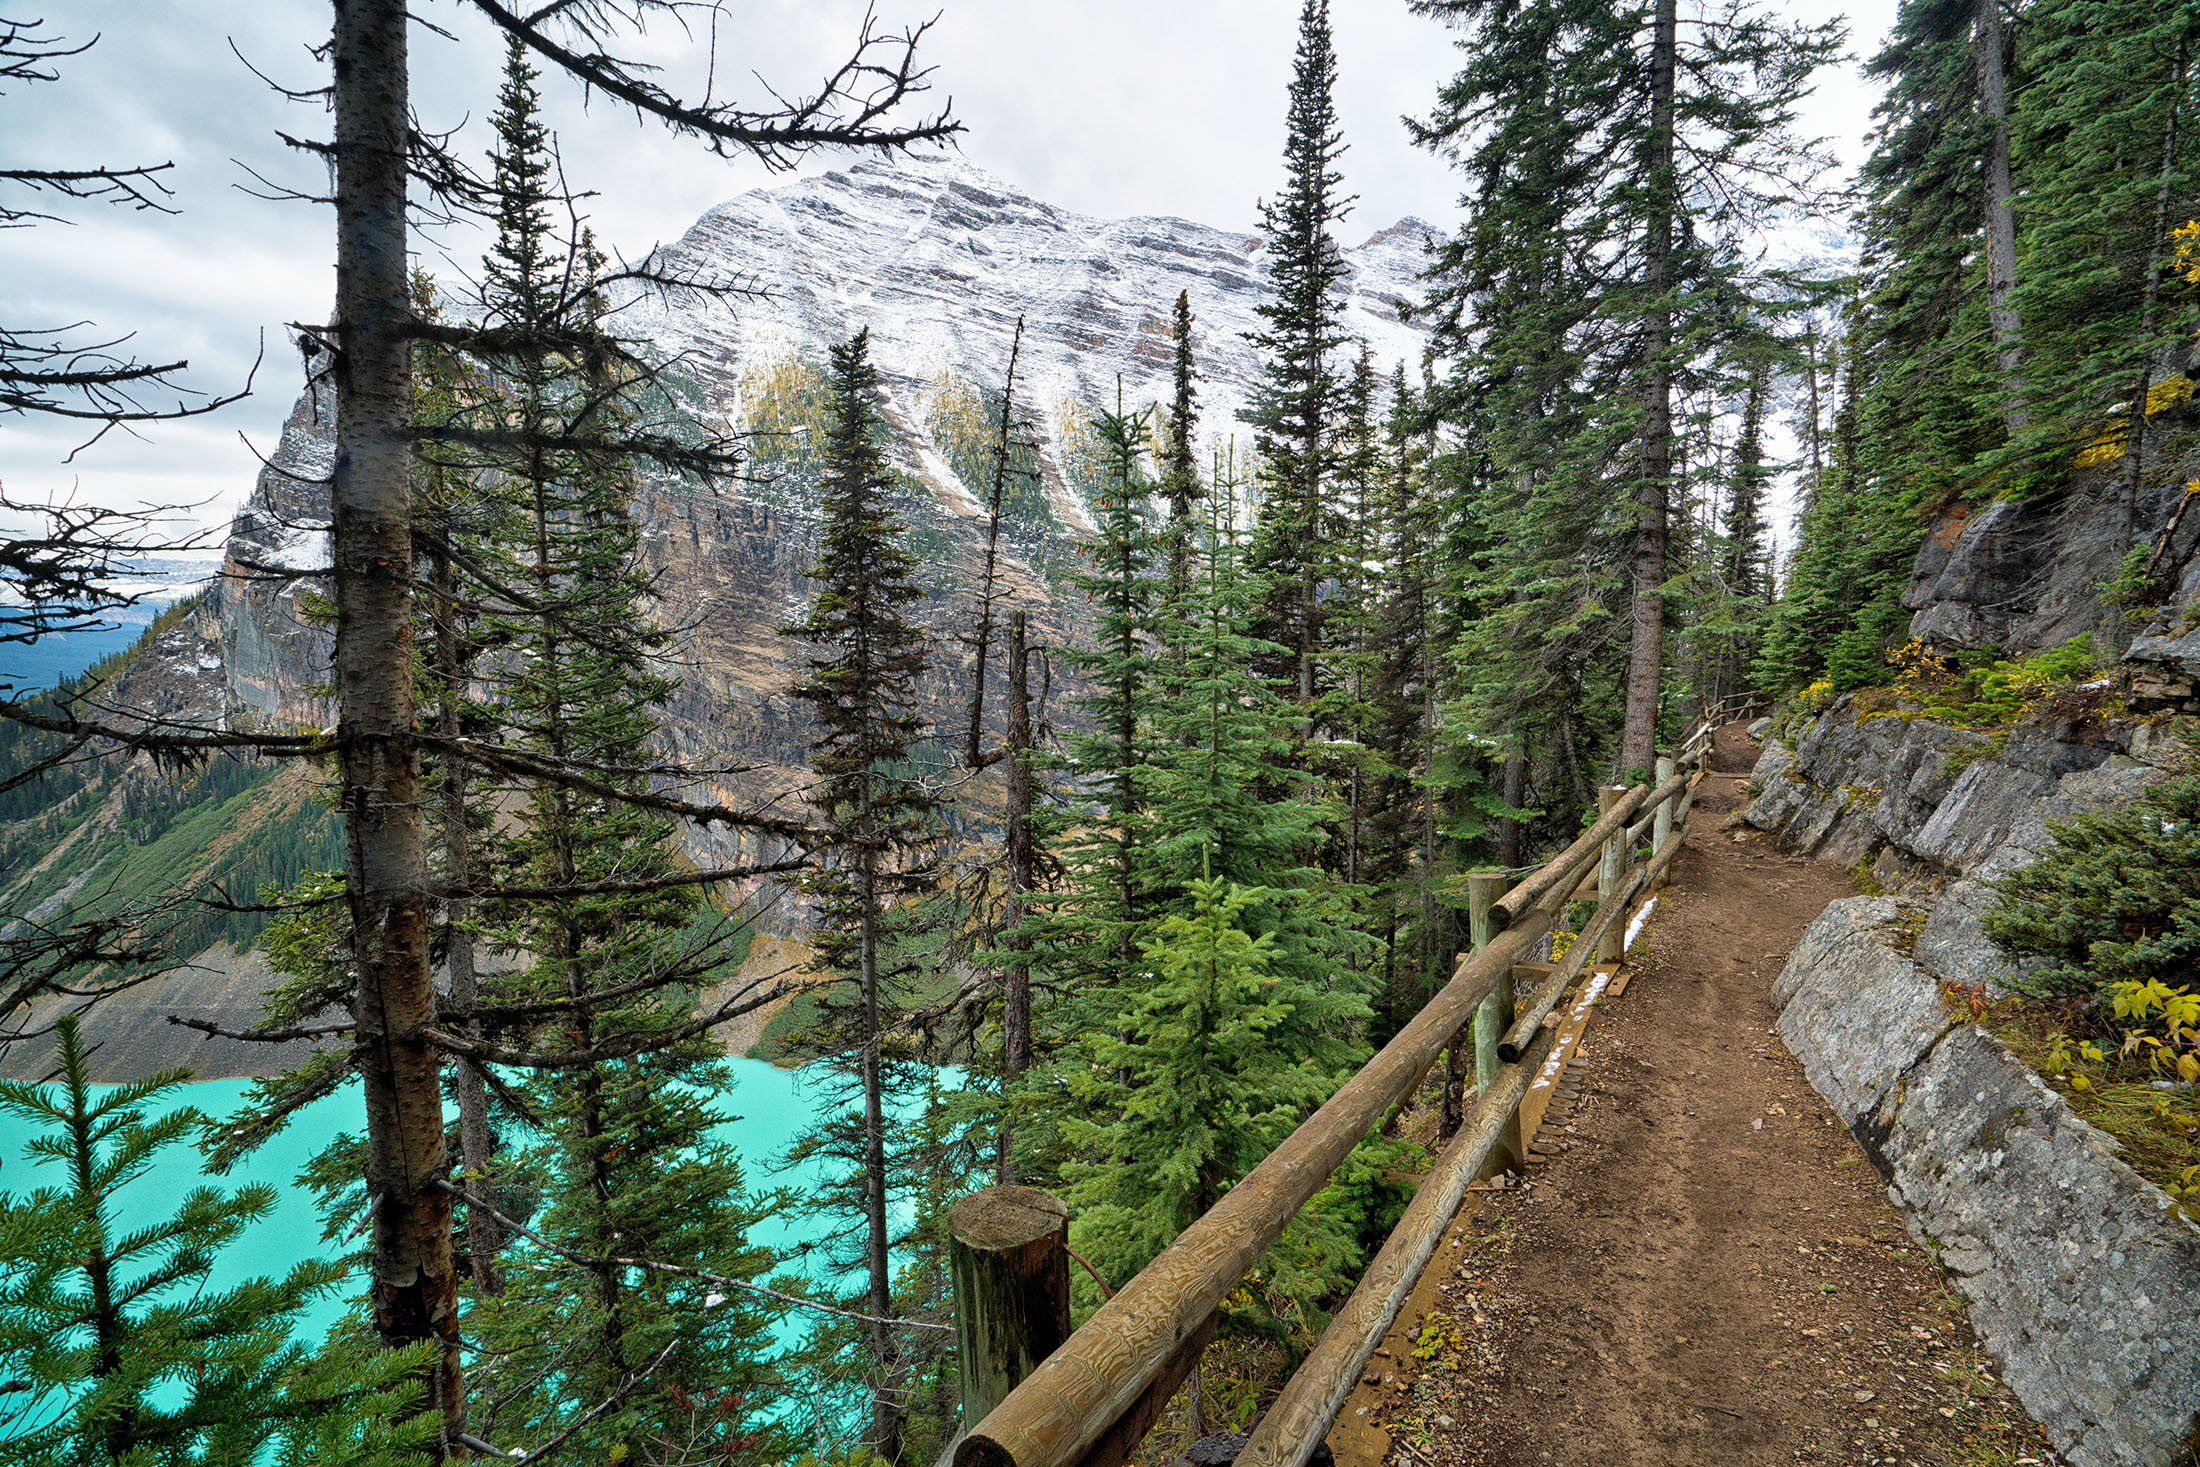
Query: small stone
[1446,1422]
[1863,1396]
[1757,1124]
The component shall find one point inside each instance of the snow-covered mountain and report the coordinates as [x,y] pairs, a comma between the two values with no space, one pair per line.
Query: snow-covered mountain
[939,258]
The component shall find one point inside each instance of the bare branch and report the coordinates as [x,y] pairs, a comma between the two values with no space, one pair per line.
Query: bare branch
[848,109]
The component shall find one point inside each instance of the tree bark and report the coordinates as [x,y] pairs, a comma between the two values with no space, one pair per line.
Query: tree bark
[1016,976]
[886,1410]
[413,1288]
[1646,653]
[974,756]
[484,1235]
[2001,225]
[1515,792]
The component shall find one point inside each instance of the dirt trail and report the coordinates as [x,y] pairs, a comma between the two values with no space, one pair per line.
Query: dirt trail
[1707,1269]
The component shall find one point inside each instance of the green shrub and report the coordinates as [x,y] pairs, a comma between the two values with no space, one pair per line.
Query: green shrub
[2116,900]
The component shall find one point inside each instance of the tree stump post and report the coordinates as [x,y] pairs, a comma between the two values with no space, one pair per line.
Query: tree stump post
[1611,872]
[1008,1250]
[1495,1015]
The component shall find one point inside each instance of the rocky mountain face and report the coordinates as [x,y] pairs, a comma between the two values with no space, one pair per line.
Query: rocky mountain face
[939,260]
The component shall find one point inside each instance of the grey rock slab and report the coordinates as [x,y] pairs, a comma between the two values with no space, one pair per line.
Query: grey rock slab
[2081,1280]
[1857,1013]
[1853,836]
[1813,820]
[1780,790]
[1758,728]
[1986,803]
[1954,946]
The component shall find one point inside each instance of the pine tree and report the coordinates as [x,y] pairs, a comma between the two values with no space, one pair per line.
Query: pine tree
[1095,927]
[115,1350]
[1733,568]
[2105,134]
[598,1006]
[1625,141]
[1179,463]
[1294,405]
[876,812]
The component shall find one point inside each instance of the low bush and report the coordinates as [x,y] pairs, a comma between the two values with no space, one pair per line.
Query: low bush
[2115,900]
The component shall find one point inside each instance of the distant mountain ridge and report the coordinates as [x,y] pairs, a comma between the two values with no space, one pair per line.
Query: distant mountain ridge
[939,258]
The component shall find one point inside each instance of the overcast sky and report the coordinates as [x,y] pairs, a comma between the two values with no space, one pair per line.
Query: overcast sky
[1109,108]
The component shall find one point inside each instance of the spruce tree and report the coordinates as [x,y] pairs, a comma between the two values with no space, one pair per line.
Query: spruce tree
[876,813]
[1211,1060]
[2105,132]
[114,1349]
[1634,154]
[1179,462]
[1095,926]
[1295,402]
[601,965]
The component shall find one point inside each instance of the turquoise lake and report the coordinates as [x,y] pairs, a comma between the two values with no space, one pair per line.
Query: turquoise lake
[766,1109]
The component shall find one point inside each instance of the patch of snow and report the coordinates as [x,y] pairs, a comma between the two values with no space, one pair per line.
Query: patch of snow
[1634,927]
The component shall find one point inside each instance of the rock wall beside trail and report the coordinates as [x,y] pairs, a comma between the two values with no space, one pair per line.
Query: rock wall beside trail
[2080,1278]
[2021,574]
[1939,811]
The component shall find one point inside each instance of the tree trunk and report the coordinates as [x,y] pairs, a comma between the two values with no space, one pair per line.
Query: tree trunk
[413,1289]
[1016,977]
[886,1410]
[1515,791]
[1646,653]
[974,755]
[2001,225]
[484,1235]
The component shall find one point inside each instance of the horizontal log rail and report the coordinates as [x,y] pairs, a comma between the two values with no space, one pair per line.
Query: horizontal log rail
[1090,1401]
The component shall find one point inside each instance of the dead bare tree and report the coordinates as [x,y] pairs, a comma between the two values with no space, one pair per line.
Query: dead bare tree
[60,370]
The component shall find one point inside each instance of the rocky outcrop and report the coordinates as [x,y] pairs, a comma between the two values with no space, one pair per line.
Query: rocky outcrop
[273,656]
[2022,574]
[2080,1276]
[1941,811]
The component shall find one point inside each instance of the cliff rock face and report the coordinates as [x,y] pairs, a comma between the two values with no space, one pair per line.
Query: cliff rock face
[1939,811]
[2023,574]
[939,260]
[272,656]
[2078,1273]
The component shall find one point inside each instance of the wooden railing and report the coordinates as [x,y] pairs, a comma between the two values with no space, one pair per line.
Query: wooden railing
[1696,743]
[1090,1401]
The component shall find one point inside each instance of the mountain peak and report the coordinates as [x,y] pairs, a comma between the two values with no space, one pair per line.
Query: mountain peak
[940,258]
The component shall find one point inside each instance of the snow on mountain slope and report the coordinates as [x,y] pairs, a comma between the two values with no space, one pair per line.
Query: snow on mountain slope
[939,258]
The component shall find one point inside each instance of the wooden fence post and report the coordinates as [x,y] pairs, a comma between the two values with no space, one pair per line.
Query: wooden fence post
[1610,873]
[1662,826]
[1494,1017]
[1008,1250]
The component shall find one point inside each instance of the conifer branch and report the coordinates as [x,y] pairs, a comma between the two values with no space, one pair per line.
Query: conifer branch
[683,1271]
